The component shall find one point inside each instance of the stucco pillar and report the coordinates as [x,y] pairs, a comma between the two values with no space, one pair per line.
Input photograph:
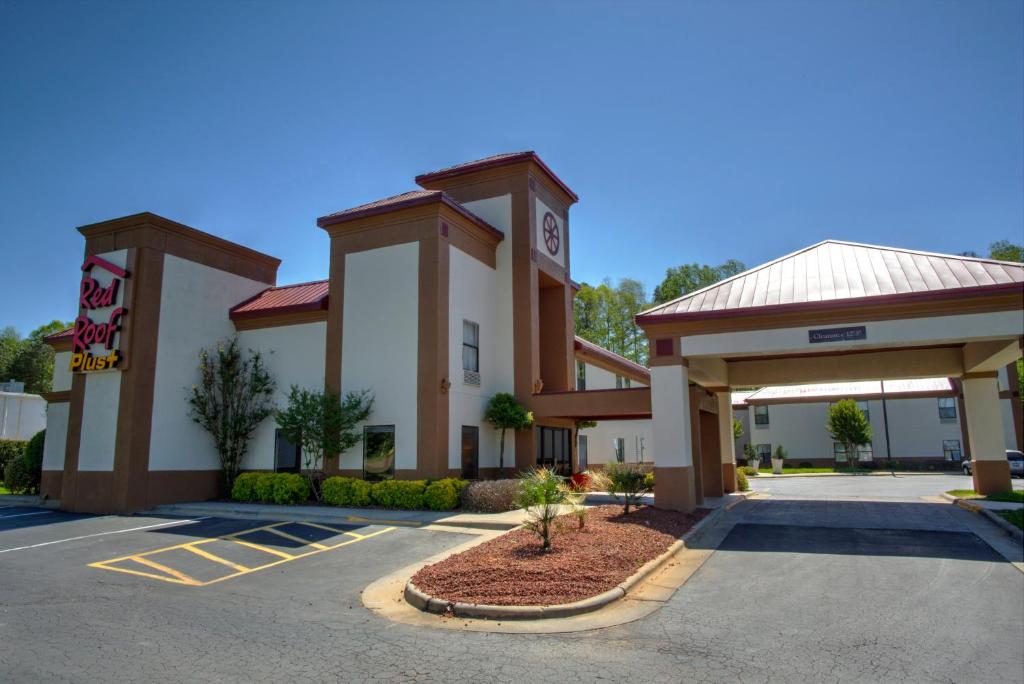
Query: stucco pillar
[672,438]
[985,432]
[727,443]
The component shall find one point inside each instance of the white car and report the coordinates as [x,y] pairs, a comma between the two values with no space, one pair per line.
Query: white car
[1016,459]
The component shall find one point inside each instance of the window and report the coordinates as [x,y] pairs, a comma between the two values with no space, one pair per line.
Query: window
[620,449]
[627,383]
[865,409]
[760,415]
[470,353]
[581,375]
[764,453]
[554,449]
[950,447]
[470,452]
[839,451]
[379,452]
[947,410]
[287,456]
[621,382]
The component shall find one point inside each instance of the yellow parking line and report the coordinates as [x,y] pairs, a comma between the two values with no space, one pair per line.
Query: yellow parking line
[322,527]
[163,568]
[266,549]
[139,573]
[216,559]
[294,538]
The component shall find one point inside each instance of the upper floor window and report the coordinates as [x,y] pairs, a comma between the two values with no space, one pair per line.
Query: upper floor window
[471,351]
[621,382]
[760,415]
[947,408]
[581,375]
[865,409]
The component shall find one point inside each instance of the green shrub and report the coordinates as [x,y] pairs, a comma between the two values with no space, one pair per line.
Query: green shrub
[649,480]
[346,491]
[245,487]
[490,496]
[542,492]
[290,488]
[24,472]
[407,494]
[741,481]
[263,489]
[749,471]
[441,496]
[457,483]
[629,481]
[10,449]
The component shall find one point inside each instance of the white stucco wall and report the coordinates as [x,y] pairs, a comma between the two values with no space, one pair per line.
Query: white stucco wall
[294,355]
[99,420]
[56,435]
[495,210]
[914,428]
[380,335]
[194,305]
[635,433]
[475,294]
[62,371]
[601,379]
[21,415]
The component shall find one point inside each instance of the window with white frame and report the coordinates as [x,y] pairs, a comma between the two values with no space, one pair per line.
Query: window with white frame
[470,353]
[581,375]
[760,415]
[865,452]
[951,450]
[947,408]
[839,451]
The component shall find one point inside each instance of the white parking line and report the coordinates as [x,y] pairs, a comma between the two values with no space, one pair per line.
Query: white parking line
[103,534]
[22,515]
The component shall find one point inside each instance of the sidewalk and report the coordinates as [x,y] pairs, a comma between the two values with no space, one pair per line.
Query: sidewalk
[878,473]
[329,514]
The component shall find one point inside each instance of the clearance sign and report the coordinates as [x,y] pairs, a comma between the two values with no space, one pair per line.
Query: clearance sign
[92,297]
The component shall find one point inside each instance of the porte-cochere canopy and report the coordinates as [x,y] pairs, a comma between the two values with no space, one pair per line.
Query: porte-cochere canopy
[835,312]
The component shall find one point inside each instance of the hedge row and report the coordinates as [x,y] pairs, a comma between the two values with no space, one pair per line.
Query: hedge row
[437,495]
[279,488]
[22,464]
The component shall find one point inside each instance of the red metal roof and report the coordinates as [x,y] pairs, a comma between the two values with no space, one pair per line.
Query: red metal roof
[833,273]
[58,336]
[611,358]
[310,296]
[869,389]
[406,199]
[502,159]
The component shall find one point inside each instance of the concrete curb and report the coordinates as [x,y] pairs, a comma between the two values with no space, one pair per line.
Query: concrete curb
[327,515]
[772,476]
[998,520]
[28,500]
[423,601]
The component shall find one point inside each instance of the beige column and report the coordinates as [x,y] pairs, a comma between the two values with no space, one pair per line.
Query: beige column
[671,437]
[985,432]
[727,443]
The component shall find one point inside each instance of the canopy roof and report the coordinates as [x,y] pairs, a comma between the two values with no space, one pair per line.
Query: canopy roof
[833,273]
[834,391]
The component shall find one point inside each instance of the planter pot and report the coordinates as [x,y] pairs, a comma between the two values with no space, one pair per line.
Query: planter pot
[777,465]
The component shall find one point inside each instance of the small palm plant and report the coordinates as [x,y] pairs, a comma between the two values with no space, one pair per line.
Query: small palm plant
[629,481]
[542,492]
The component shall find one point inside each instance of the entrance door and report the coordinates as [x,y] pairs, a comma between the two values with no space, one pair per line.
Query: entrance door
[555,450]
[470,452]
[582,452]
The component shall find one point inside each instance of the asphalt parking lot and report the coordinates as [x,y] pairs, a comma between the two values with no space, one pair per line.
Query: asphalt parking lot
[797,591]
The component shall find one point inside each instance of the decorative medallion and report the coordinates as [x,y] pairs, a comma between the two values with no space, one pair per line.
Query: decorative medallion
[552,238]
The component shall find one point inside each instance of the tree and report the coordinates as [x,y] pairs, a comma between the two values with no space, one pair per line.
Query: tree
[505,413]
[323,426]
[233,396]
[29,360]
[848,426]
[1004,250]
[681,280]
[737,429]
[604,314]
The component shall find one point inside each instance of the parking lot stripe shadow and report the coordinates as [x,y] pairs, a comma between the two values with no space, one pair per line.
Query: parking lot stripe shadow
[177,577]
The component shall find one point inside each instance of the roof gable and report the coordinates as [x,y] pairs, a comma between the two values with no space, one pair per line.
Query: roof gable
[838,271]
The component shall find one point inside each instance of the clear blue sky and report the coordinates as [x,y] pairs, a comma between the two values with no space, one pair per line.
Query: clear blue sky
[692,131]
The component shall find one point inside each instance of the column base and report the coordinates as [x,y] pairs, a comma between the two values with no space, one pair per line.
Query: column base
[674,489]
[991,477]
[729,478]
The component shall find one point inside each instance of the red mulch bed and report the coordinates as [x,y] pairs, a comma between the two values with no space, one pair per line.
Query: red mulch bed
[511,570]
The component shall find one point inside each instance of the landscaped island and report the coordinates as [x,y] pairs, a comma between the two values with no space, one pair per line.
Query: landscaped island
[513,570]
